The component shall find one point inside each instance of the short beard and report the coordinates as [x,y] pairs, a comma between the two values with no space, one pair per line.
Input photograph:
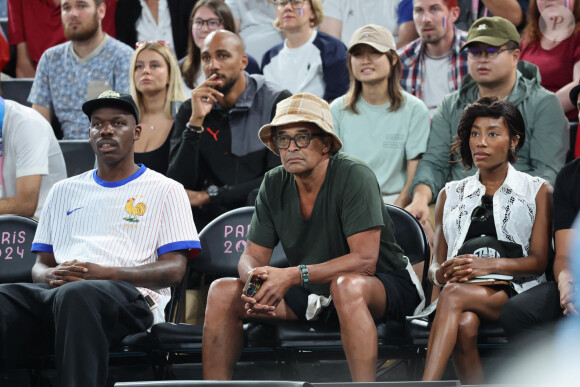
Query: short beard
[82,35]
[225,89]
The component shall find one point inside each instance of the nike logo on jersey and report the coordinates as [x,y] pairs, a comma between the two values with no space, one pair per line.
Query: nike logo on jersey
[71,211]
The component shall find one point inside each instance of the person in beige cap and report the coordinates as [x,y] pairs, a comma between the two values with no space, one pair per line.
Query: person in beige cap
[326,210]
[494,70]
[376,119]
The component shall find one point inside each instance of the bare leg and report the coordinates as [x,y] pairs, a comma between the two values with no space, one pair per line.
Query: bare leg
[359,300]
[453,301]
[223,327]
[466,356]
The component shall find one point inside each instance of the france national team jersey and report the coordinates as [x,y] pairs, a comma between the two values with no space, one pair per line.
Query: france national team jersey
[125,223]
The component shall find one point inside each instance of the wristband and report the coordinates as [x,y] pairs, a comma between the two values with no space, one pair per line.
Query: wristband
[433,278]
[194,129]
[304,276]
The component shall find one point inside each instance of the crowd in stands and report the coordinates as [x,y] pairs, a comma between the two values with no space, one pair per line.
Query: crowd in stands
[318,112]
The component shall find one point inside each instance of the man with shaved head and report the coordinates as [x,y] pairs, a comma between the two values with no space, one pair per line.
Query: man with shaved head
[219,158]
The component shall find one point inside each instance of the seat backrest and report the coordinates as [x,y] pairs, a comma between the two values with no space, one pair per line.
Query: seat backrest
[78,156]
[16,260]
[410,235]
[223,241]
[17,90]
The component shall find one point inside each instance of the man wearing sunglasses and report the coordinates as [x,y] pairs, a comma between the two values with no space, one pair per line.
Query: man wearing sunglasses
[326,209]
[494,70]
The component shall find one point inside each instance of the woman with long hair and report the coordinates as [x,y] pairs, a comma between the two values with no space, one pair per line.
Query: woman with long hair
[496,223]
[554,48]
[377,120]
[206,17]
[156,88]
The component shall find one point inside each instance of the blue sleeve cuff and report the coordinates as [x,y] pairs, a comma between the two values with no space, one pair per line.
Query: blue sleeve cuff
[181,245]
[41,247]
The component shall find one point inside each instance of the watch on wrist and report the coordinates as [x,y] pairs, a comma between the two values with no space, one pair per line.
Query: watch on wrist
[194,129]
[213,190]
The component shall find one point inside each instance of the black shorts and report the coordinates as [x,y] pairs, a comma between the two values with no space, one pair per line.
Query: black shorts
[402,299]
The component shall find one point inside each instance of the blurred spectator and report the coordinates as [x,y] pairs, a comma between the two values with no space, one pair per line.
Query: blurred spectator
[81,69]
[343,17]
[35,25]
[558,61]
[159,20]
[4,50]
[436,52]
[206,16]
[156,88]
[255,24]
[376,120]
[220,160]
[31,161]
[512,10]
[529,313]
[307,60]
[494,70]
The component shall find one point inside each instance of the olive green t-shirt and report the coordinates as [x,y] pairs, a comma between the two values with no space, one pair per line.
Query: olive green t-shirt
[348,202]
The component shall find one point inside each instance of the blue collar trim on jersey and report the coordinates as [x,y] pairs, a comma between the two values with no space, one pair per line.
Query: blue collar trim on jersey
[114,184]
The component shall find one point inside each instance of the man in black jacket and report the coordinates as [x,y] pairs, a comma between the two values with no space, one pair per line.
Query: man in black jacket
[220,160]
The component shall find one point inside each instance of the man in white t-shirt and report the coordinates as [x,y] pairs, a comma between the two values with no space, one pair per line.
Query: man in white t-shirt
[31,160]
[109,244]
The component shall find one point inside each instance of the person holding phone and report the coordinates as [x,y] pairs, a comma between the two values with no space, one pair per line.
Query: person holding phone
[325,208]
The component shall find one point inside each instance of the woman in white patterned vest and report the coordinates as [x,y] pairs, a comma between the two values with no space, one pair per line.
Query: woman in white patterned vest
[492,236]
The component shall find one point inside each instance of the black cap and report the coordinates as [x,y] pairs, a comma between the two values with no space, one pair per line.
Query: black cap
[111,98]
[574,94]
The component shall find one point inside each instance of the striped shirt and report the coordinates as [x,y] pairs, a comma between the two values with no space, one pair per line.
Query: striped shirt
[125,223]
[413,61]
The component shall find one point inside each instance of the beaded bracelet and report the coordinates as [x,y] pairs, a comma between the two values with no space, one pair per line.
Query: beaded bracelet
[304,276]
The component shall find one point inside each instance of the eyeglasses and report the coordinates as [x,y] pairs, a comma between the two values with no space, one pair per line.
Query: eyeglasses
[490,52]
[161,42]
[212,24]
[302,140]
[481,213]
[294,3]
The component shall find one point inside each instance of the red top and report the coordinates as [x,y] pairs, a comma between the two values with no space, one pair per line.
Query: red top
[556,65]
[39,24]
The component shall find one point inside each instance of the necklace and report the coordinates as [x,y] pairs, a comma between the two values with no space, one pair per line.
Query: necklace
[152,127]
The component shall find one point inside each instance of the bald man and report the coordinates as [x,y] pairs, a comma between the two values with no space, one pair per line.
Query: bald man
[219,158]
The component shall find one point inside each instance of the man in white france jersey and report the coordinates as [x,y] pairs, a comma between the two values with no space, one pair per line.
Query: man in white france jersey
[109,243]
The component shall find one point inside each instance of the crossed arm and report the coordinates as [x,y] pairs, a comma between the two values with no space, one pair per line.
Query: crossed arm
[362,260]
[167,271]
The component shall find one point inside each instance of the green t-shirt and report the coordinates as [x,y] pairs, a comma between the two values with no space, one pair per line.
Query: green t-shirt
[348,202]
[383,139]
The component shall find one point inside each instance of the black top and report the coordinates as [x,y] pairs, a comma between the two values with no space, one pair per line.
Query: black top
[567,195]
[129,11]
[478,228]
[157,159]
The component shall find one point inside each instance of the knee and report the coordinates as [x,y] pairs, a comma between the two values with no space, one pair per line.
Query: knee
[451,295]
[223,293]
[346,289]
[467,330]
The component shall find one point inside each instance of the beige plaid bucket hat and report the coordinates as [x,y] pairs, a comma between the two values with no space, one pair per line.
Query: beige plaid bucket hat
[303,107]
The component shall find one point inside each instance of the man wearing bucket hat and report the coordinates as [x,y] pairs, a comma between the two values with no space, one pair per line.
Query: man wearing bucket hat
[326,210]
[494,70]
[109,244]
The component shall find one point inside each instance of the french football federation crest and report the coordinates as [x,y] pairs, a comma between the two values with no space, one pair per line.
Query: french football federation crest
[134,211]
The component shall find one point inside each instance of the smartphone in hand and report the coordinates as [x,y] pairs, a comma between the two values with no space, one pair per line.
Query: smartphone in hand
[252,285]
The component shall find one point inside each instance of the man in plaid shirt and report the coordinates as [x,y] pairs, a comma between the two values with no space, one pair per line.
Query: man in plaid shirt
[436,52]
